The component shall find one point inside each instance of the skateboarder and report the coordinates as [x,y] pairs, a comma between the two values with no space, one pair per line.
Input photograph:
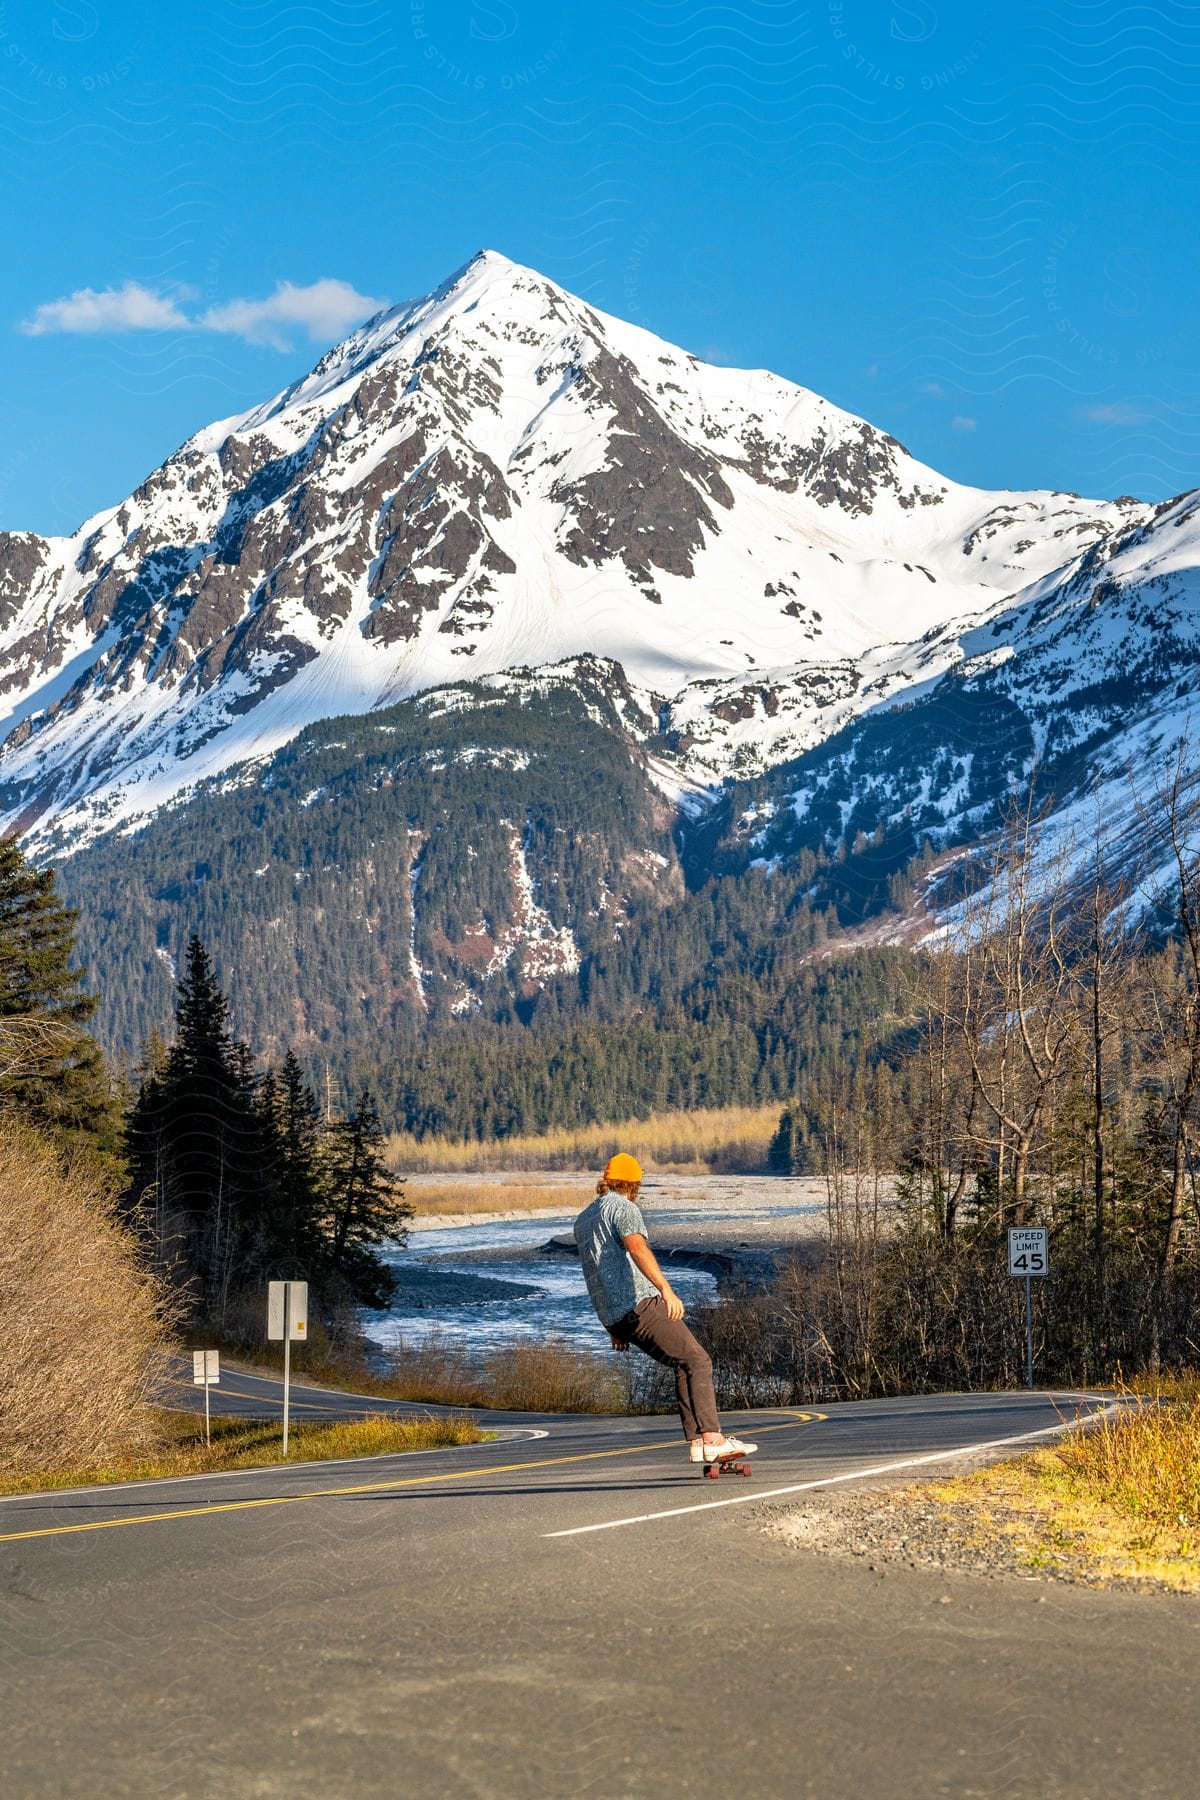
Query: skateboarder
[639,1306]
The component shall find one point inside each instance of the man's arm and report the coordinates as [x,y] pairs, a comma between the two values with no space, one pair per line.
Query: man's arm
[645,1259]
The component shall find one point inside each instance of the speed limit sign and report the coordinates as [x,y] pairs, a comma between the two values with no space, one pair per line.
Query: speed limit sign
[1027,1250]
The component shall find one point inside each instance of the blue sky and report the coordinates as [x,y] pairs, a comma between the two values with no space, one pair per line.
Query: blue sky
[976,226]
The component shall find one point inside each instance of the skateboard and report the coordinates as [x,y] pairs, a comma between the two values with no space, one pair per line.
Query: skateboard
[734,1464]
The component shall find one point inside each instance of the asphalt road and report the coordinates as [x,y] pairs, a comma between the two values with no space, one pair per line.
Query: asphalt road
[575,1613]
[244,1395]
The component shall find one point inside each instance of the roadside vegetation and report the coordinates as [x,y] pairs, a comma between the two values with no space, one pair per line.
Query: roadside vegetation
[1145,1464]
[712,1140]
[1117,1502]
[546,1375]
[81,1317]
[178,1448]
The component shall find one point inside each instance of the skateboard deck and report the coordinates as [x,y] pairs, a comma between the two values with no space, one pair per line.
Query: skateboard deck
[735,1464]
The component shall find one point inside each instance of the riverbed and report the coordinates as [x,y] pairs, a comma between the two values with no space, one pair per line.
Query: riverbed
[490,1280]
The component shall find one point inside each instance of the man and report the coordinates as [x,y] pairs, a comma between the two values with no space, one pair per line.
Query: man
[637,1303]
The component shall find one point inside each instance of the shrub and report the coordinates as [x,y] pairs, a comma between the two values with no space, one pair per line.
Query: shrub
[542,1375]
[1145,1462]
[551,1376]
[80,1315]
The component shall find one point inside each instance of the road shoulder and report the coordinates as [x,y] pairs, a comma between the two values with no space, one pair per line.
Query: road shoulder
[1012,1516]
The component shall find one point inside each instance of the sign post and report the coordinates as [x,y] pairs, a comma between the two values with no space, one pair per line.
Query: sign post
[287,1318]
[206,1373]
[1028,1256]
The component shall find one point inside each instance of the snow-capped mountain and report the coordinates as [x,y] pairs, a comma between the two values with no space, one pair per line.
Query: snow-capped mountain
[1086,681]
[498,476]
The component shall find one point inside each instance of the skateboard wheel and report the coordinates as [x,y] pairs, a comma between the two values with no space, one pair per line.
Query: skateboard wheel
[711,1472]
[746,1469]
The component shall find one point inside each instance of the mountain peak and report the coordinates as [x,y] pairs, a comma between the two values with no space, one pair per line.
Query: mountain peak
[497,475]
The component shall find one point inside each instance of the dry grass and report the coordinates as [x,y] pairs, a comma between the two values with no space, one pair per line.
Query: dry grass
[719,1140]
[254,1444]
[1120,1501]
[494,1197]
[1146,1464]
[79,1316]
[545,1376]
[1183,1386]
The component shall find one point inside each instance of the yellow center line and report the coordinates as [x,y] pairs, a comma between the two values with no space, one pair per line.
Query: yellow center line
[360,1402]
[296,1405]
[372,1487]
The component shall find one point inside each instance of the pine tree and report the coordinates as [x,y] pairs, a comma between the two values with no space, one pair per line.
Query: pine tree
[366,1205]
[195,1148]
[293,1200]
[52,1073]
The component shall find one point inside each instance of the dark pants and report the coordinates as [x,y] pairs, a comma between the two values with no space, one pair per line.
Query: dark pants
[670,1342]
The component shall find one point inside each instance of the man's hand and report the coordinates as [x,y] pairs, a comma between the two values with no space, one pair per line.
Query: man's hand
[672,1302]
[618,1343]
[644,1258]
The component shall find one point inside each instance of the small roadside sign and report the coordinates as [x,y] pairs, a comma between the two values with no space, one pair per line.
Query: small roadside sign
[294,1304]
[287,1319]
[1028,1250]
[206,1373]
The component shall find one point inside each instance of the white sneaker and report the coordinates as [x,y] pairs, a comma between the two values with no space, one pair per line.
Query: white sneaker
[696,1449]
[730,1446]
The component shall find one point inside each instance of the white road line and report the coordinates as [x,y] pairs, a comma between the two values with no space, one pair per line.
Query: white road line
[102,1488]
[801,1487]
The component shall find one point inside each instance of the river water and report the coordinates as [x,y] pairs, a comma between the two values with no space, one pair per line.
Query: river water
[490,1284]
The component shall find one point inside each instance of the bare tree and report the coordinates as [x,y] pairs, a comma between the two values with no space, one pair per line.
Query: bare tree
[1114,943]
[1018,1016]
[1175,999]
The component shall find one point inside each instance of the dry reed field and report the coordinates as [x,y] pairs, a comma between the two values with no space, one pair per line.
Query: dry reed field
[80,1316]
[495,1197]
[719,1140]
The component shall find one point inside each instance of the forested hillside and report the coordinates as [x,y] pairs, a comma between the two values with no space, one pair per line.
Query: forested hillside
[475,903]
[386,872]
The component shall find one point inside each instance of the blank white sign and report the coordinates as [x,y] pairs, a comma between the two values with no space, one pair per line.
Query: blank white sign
[298,1310]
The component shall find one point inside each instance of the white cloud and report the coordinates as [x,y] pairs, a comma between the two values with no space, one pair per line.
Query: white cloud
[322,310]
[129,308]
[1116,415]
[961,422]
[934,388]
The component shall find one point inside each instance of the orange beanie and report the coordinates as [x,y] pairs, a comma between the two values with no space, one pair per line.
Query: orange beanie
[623,1168]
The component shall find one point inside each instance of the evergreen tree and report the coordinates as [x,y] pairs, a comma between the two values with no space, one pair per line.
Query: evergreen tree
[366,1205]
[52,1073]
[195,1146]
[293,1203]
[781,1152]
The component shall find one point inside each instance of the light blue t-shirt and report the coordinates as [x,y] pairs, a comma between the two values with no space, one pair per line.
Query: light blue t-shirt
[615,1284]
